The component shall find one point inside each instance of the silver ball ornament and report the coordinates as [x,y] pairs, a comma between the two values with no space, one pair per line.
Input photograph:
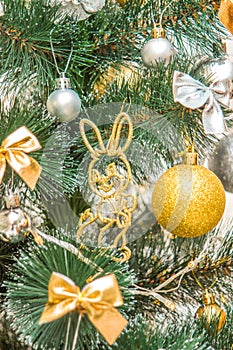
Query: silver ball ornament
[157,50]
[64,103]
[13,224]
[221,161]
[13,221]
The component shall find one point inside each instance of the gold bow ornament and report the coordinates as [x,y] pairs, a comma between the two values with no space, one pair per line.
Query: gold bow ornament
[13,151]
[225,14]
[193,94]
[97,299]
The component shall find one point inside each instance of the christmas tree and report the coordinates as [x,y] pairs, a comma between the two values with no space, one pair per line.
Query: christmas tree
[116,174]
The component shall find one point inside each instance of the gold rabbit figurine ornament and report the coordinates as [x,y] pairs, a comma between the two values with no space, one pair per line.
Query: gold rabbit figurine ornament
[114,206]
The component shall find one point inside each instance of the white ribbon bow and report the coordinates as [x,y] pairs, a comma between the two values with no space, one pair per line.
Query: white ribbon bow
[193,94]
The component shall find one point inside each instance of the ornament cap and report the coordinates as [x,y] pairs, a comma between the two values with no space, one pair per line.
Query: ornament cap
[191,158]
[12,201]
[208,298]
[158,32]
[63,83]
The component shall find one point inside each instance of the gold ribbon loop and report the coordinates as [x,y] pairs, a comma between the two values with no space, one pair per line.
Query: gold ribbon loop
[98,299]
[13,151]
[193,94]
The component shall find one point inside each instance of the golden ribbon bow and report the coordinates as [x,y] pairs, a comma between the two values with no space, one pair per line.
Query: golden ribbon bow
[13,151]
[98,299]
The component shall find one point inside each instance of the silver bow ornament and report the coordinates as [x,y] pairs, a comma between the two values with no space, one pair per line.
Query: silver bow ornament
[193,94]
[80,9]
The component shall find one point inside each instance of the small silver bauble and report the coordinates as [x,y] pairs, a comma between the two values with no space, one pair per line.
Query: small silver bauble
[64,103]
[157,50]
[221,161]
[219,69]
[13,221]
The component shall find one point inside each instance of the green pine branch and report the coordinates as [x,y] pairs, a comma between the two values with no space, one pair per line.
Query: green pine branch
[27,290]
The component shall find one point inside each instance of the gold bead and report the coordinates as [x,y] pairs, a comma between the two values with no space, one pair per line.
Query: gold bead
[121,2]
[192,264]
[170,305]
[188,200]
[211,314]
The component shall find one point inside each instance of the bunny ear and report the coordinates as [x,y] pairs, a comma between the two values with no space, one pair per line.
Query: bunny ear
[94,151]
[114,141]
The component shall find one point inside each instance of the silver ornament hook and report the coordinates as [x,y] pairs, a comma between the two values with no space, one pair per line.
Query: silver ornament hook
[164,10]
[62,74]
[159,24]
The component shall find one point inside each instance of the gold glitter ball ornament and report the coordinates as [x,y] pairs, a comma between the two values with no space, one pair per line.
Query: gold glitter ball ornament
[211,314]
[188,200]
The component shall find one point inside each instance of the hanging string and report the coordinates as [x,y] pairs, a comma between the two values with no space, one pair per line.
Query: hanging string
[12,178]
[67,333]
[157,27]
[159,289]
[54,56]
[76,332]
[199,283]
[162,13]
[152,12]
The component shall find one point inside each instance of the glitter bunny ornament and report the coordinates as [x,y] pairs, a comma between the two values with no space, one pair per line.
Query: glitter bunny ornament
[115,206]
